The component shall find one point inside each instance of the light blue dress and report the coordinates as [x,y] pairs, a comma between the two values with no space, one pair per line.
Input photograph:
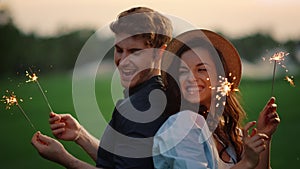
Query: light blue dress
[185,142]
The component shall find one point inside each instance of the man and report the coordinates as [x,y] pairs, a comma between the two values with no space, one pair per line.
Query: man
[141,34]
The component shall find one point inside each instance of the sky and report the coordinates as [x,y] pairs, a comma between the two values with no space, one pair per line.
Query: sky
[234,18]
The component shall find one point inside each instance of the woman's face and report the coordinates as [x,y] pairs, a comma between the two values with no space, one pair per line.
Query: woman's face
[194,79]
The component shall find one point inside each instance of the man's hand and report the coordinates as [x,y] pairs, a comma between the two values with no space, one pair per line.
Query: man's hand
[49,148]
[64,126]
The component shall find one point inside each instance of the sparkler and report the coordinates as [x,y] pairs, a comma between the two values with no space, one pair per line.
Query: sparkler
[225,88]
[34,78]
[11,100]
[278,57]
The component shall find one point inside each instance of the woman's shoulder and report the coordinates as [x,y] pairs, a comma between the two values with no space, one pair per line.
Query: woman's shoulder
[181,133]
[181,124]
[186,117]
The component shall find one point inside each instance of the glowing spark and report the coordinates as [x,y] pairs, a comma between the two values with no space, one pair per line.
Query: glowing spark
[224,88]
[33,78]
[290,80]
[278,56]
[11,100]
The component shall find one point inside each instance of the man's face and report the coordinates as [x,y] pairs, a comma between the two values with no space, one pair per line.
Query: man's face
[135,60]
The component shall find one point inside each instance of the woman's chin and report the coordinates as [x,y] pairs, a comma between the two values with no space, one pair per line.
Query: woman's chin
[193,100]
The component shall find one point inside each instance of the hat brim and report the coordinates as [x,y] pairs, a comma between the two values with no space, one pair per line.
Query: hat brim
[230,54]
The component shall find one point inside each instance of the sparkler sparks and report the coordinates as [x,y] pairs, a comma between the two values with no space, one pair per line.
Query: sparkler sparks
[34,78]
[278,58]
[290,80]
[11,100]
[225,88]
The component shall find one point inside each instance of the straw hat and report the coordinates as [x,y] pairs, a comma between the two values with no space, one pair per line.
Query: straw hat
[230,55]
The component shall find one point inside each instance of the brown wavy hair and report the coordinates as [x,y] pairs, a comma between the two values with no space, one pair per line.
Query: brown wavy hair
[228,129]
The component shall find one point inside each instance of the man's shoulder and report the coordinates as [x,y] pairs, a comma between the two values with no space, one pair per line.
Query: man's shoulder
[155,82]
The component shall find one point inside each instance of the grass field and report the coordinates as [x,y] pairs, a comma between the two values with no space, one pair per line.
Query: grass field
[17,152]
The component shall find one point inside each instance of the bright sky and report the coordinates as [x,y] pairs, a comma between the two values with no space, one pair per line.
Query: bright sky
[234,18]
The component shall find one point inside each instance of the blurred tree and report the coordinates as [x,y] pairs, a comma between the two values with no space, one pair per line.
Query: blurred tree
[19,50]
[252,46]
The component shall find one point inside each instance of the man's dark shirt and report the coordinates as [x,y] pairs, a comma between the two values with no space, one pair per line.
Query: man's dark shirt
[139,98]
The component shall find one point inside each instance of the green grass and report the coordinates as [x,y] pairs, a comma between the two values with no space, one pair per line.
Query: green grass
[16,133]
[285,145]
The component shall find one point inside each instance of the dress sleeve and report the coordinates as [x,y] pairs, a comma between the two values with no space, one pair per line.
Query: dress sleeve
[184,142]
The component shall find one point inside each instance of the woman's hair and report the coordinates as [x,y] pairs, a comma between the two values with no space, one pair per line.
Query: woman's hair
[145,23]
[228,130]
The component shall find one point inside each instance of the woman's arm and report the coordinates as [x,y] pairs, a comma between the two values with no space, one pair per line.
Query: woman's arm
[268,122]
[254,145]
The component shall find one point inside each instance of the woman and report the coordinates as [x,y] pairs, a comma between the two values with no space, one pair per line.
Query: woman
[208,72]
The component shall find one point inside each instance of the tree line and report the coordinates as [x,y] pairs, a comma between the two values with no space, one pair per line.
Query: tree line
[59,53]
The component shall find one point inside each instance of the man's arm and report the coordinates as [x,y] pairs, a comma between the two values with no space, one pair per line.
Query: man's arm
[53,150]
[66,127]
[88,142]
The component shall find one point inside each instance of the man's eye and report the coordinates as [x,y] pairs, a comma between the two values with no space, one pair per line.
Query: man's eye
[119,50]
[137,53]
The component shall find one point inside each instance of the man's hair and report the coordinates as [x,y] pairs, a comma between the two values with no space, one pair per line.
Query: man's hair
[145,23]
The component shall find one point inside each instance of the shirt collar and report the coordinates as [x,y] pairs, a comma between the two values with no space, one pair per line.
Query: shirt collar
[130,91]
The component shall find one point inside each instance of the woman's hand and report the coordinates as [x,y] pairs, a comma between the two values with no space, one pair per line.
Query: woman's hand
[268,119]
[64,126]
[254,144]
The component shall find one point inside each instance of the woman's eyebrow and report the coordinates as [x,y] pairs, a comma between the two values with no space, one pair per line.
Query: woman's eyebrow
[198,65]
